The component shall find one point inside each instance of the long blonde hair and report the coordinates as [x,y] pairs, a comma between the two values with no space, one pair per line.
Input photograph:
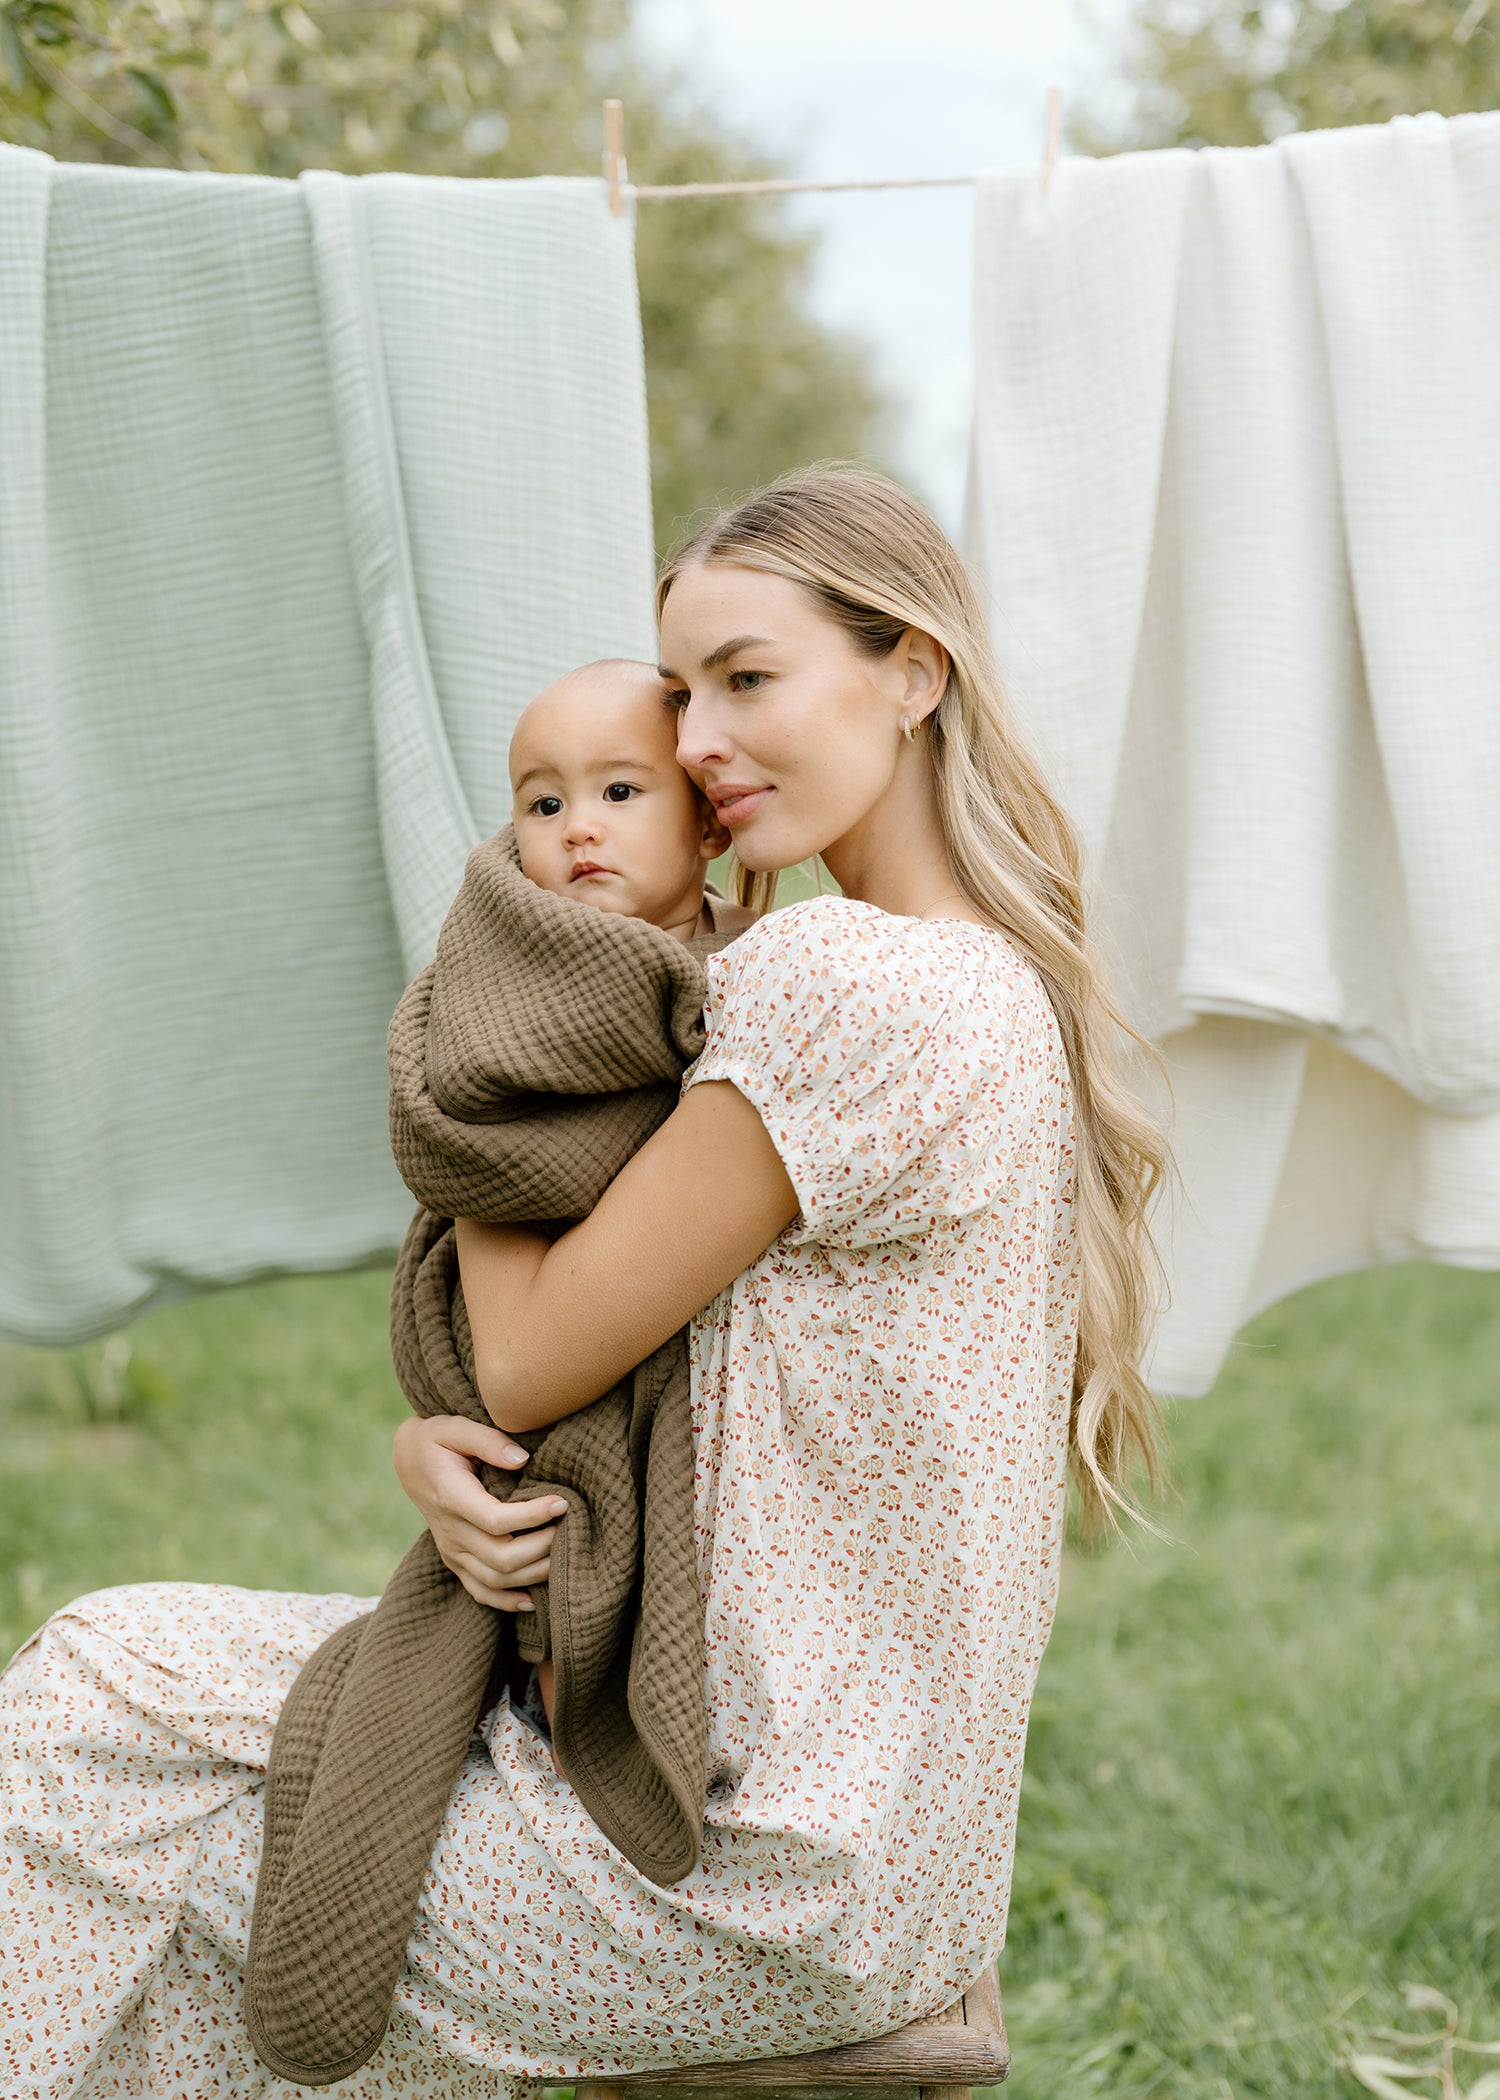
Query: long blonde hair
[875,560]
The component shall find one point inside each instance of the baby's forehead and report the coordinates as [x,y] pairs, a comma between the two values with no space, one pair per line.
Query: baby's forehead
[602,716]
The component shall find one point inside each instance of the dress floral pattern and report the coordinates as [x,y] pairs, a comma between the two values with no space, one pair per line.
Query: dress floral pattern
[881,1407]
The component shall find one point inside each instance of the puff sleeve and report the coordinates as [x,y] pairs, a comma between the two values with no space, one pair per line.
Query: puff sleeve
[898,1090]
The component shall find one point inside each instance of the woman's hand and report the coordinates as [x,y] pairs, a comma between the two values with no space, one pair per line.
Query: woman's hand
[494,1548]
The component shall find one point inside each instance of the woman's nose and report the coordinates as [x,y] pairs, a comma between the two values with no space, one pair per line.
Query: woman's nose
[702,739]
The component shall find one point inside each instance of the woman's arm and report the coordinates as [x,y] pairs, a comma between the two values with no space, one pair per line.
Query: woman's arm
[555,1324]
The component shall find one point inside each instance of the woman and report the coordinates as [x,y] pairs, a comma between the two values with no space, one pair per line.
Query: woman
[902,1203]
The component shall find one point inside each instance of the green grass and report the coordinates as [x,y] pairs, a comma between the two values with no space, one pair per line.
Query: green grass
[1261,1790]
[247,1439]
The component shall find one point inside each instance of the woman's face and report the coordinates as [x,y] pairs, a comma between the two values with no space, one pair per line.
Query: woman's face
[791,731]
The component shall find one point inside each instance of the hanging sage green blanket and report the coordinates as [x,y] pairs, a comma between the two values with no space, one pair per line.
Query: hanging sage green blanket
[305,489]
[528,1061]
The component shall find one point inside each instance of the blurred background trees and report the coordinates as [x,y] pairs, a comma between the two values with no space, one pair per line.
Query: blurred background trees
[1221,73]
[742,381]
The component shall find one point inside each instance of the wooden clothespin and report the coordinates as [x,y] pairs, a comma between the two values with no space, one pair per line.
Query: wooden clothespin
[614,154]
[1052,145]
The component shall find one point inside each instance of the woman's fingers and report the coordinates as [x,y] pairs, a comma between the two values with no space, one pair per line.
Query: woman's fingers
[463,1500]
[453,1442]
[520,1572]
[511,1560]
[492,1586]
[503,1564]
[497,1599]
[477,1440]
[496,1548]
[503,1520]
[530,1550]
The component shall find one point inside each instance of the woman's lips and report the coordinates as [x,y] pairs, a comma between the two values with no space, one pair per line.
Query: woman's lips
[739,803]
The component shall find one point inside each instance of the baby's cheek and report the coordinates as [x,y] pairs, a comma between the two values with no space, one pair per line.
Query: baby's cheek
[536,864]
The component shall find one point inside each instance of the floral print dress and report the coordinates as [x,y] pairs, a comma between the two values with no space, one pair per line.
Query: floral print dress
[881,1407]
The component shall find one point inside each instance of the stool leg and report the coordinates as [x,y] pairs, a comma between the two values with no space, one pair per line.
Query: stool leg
[946,2092]
[597,2089]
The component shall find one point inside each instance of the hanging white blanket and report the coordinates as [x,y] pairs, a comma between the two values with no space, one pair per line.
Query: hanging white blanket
[1236,497]
[305,488]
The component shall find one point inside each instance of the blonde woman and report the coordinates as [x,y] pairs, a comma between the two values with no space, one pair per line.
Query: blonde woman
[902,1204]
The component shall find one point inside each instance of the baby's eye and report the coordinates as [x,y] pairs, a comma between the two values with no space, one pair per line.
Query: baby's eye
[619,791]
[746,681]
[546,805]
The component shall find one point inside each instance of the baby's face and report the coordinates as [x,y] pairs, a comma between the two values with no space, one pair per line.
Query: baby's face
[602,810]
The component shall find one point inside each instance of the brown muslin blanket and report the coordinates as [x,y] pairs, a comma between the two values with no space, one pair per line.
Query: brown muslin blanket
[528,1061]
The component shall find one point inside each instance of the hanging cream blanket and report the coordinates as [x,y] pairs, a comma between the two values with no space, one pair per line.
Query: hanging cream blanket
[1236,495]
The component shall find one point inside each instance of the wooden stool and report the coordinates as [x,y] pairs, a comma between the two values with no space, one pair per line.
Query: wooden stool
[936,2059]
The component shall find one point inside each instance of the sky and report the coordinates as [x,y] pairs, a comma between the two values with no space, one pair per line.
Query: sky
[876,88]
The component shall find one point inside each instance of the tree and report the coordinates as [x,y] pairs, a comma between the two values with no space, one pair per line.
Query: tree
[742,382]
[1223,73]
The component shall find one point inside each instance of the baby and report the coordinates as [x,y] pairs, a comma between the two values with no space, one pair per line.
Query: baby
[602,811]
[604,814]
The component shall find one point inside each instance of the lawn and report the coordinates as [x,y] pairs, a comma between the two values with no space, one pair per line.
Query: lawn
[1261,1791]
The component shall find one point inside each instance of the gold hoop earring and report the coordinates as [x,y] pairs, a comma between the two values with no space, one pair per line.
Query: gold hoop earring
[908,729]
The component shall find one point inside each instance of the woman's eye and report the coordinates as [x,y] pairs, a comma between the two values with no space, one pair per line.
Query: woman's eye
[680,698]
[546,805]
[747,681]
[618,791]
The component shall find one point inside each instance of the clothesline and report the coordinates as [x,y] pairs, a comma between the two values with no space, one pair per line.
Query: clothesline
[783,187]
[660,192]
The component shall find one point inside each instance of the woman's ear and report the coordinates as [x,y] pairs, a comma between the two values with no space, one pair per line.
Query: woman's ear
[927,667]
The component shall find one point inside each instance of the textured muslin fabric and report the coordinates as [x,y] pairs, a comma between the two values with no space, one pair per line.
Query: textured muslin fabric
[540,1047]
[305,488]
[1235,495]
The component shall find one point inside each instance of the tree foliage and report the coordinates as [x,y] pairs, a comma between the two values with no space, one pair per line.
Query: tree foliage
[1223,73]
[741,381]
